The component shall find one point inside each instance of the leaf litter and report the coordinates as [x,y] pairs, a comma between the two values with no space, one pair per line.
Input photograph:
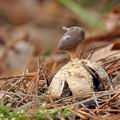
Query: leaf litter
[30,91]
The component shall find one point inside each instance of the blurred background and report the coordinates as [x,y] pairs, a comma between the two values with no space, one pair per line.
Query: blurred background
[31,29]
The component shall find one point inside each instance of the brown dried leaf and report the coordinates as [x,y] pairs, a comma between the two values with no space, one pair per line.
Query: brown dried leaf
[103,52]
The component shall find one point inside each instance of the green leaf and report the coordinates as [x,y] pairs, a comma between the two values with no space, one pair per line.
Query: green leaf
[86,16]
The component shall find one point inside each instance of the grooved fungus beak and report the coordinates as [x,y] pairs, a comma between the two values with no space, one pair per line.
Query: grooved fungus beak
[71,39]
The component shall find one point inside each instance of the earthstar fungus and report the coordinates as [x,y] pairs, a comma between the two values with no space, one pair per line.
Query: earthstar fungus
[75,78]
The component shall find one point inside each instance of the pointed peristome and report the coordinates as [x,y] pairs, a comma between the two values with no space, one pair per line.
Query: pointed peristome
[65,28]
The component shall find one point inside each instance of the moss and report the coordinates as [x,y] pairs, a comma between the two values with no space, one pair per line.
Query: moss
[7,113]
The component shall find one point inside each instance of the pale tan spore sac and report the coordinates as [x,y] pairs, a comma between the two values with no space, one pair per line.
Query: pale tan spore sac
[76,75]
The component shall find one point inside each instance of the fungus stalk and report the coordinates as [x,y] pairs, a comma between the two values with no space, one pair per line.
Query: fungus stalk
[73,55]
